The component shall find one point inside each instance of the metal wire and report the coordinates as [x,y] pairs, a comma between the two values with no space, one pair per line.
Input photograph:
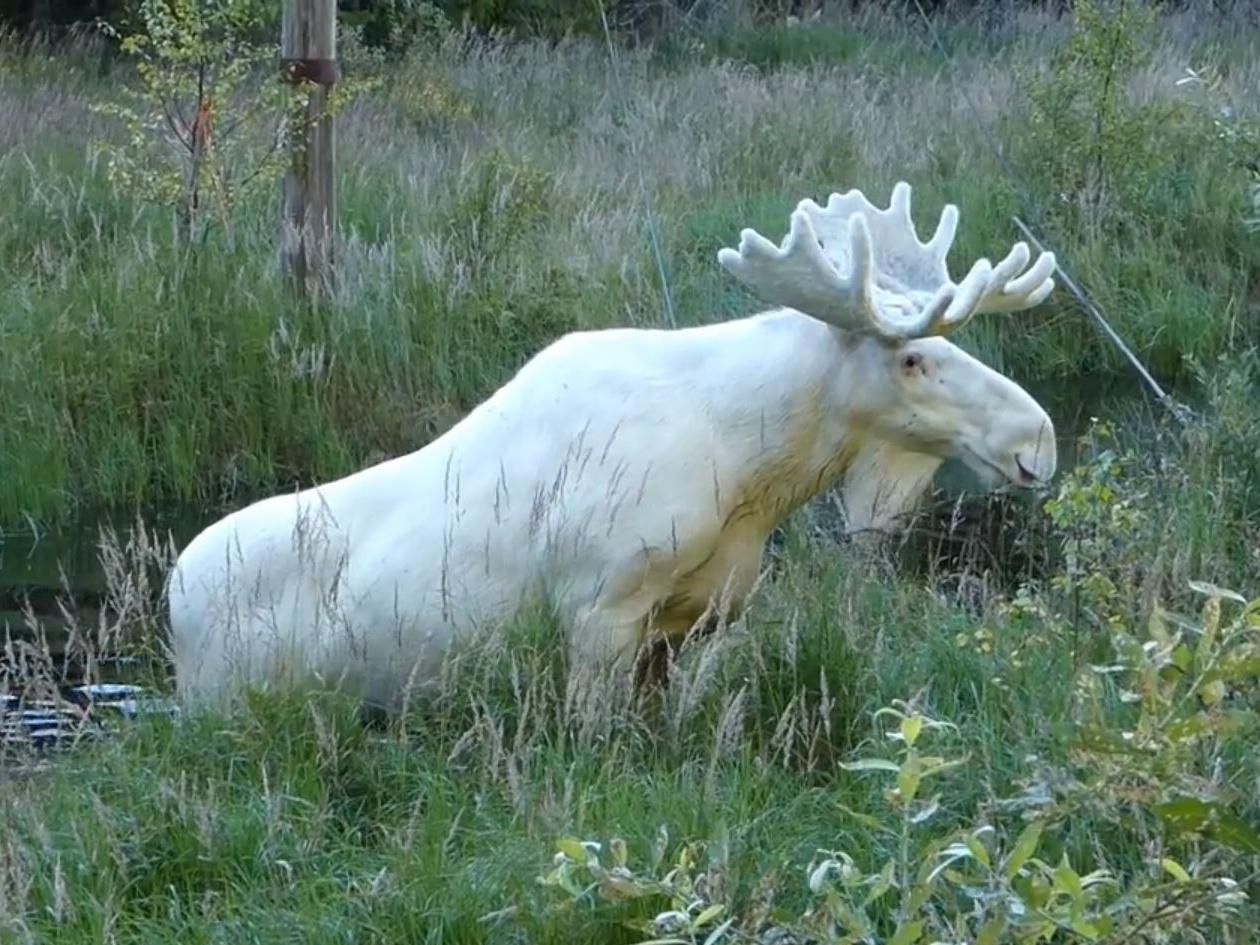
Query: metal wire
[1179,411]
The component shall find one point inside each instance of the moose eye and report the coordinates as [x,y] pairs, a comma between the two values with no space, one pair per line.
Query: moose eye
[911,361]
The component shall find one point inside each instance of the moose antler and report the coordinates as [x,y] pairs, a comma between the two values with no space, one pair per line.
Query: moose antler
[864,269]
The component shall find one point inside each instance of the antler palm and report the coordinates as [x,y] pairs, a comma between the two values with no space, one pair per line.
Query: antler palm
[864,269]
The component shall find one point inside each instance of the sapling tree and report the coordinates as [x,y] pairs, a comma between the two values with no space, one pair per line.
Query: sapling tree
[202,119]
[205,118]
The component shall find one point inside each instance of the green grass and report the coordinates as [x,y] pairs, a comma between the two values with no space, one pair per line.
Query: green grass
[291,818]
[490,201]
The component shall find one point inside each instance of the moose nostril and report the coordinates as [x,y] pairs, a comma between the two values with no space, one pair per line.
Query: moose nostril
[1025,474]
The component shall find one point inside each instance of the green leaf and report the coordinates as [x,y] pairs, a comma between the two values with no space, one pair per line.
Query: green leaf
[1235,832]
[1185,814]
[1191,815]
[978,850]
[1104,742]
[1235,669]
[908,934]
[708,915]
[1067,880]
[1038,893]
[1086,929]
[935,765]
[1188,728]
[990,933]
[1024,848]
[918,896]
[882,885]
[622,887]
[866,820]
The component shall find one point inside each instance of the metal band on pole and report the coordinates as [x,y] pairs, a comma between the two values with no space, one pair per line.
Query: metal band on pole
[319,71]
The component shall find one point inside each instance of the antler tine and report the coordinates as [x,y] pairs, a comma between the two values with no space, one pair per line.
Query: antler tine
[1008,293]
[943,239]
[965,297]
[799,275]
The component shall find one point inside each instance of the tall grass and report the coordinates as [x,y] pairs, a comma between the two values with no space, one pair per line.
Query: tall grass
[490,200]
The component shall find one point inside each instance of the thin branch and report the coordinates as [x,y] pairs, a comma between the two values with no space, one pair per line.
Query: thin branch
[171,123]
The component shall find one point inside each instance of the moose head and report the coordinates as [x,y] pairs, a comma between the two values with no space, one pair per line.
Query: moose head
[864,272]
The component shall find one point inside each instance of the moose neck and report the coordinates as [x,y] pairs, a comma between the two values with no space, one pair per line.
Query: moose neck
[798,426]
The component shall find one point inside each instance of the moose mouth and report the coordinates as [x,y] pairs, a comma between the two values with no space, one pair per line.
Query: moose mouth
[996,473]
[1026,476]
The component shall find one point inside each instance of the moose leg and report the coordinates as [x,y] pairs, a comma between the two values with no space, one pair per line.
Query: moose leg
[653,660]
[602,649]
[705,601]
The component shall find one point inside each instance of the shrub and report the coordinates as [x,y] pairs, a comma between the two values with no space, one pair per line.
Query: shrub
[203,129]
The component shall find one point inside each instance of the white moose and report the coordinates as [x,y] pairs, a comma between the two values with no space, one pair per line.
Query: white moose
[633,476]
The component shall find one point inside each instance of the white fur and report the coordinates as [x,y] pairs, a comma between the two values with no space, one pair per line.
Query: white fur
[628,473]
[631,476]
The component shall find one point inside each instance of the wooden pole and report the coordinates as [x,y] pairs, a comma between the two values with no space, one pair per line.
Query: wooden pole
[308,50]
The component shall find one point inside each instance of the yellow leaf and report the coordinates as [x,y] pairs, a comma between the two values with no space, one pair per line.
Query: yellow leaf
[1211,616]
[1157,628]
[908,782]
[911,726]
[1212,693]
[1175,870]
[573,849]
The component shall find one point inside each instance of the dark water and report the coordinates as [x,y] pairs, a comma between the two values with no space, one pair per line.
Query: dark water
[39,559]
[43,571]
[52,582]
